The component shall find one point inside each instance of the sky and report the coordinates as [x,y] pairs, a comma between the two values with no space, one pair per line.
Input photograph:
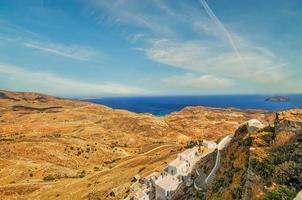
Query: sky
[96,48]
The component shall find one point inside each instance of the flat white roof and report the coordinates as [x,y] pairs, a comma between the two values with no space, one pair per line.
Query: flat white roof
[189,151]
[139,194]
[153,174]
[209,142]
[177,162]
[168,183]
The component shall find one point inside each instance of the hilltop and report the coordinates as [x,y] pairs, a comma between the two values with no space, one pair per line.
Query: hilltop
[68,149]
[262,163]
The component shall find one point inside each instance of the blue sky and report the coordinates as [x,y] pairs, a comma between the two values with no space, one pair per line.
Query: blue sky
[93,48]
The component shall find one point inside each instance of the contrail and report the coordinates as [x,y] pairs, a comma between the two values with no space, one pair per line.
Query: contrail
[218,22]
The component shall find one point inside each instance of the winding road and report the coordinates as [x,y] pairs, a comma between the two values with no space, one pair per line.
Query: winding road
[222,144]
[209,179]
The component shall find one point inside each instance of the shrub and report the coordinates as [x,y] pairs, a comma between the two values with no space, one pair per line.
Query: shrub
[237,193]
[96,169]
[282,193]
[49,178]
[262,164]
[248,142]
[218,184]
[288,171]
[263,168]
[263,139]
[57,135]
[141,169]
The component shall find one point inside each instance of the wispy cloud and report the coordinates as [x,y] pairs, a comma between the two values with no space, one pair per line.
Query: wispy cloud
[13,29]
[125,12]
[202,57]
[182,35]
[204,82]
[74,52]
[222,27]
[56,85]
[11,33]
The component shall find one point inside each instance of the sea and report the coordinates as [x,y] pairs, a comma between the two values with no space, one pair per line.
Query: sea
[163,105]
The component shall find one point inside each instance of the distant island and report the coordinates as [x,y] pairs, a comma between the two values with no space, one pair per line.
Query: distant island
[277,99]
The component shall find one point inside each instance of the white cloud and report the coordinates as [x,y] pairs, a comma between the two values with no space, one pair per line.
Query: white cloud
[221,26]
[131,13]
[203,57]
[205,82]
[74,52]
[13,29]
[217,52]
[11,33]
[53,84]
[18,35]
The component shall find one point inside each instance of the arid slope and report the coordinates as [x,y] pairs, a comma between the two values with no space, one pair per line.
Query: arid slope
[53,148]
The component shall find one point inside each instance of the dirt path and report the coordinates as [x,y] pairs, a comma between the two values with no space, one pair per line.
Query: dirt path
[105,176]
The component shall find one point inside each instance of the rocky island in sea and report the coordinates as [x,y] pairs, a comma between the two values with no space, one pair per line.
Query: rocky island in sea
[277,99]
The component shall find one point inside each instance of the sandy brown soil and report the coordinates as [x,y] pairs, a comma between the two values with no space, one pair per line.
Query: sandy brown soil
[52,148]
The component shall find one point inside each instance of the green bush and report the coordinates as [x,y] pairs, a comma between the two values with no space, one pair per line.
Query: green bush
[237,193]
[265,169]
[218,184]
[282,193]
[49,178]
[288,171]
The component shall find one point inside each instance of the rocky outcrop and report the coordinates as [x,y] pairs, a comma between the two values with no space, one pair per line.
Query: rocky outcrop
[254,125]
[289,121]
[264,162]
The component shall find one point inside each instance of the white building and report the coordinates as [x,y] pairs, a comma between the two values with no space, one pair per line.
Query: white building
[143,188]
[165,187]
[177,171]
[150,179]
[178,167]
[189,155]
[209,144]
[182,164]
[161,186]
[140,195]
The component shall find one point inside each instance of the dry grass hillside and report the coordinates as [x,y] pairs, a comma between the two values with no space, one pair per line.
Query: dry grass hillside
[53,148]
[265,164]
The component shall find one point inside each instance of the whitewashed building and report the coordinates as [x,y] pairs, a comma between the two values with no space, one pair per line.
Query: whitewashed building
[140,195]
[178,167]
[150,179]
[143,188]
[189,155]
[209,144]
[161,186]
[182,164]
[165,187]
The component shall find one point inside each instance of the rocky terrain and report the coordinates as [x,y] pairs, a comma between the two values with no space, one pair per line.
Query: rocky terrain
[54,148]
[261,162]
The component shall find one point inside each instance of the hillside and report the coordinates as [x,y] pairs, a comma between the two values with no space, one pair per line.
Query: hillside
[67,149]
[262,164]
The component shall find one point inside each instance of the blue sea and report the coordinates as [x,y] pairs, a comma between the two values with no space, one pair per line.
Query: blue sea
[163,105]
